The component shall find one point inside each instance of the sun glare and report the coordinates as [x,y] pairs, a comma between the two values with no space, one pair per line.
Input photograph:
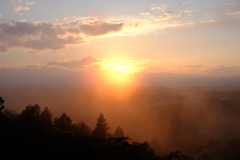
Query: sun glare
[119,72]
[121,68]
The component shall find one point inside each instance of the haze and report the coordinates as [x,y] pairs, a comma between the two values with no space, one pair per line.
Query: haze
[155,68]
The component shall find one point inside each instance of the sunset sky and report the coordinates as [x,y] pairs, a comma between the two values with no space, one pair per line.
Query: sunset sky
[118,38]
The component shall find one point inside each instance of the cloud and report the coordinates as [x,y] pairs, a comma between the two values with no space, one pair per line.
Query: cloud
[171,12]
[188,11]
[22,20]
[74,64]
[210,69]
[177,24]
[234,12]
[30,3]
[41,37]
[19,8]
[52,43]
[214,20]
[236,3]
[100,28]
[0,16]
[61,54]
[145,13]
[156,8]
[166,17]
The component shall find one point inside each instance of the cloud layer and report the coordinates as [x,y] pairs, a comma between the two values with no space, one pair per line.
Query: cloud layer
[44,36]
[74,64]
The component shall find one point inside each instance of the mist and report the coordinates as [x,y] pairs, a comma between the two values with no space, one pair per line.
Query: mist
[35,76]
[170,118]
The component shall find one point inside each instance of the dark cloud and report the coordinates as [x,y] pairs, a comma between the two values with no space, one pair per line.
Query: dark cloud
[74,63]
[44,36]
[52,43]
[19,29]
[102,28]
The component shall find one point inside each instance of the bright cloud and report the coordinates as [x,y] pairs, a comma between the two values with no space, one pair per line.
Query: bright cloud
[145,13]
[156,8]
[187,11]
[177,24]
[214,20]
[236,3]
[126,65]
[19,8]
[234,12]
[166,17]
[30,3]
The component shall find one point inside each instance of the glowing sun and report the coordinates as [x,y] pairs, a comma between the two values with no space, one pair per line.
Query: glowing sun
[119,72]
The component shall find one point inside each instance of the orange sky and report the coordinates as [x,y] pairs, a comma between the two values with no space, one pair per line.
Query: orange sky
[121,38]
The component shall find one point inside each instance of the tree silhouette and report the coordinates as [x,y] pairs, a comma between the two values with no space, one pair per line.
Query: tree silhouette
[46,117]
[81,129]
[3,119]
[10,114]
[118,133]
[101,128]
[30,116]
[63,122]
[1,104]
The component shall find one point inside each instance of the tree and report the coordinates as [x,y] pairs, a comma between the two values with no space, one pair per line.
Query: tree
[1,104]
[81,129]
[10,114]
[63,122]
[3,119]
[101,128]
[46,117]
[118,133]
[30,116]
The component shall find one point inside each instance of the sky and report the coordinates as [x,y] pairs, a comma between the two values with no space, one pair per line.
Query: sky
[101,41]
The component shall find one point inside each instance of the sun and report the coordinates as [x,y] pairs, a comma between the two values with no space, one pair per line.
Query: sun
[118,77]
[121,68]
[117,72]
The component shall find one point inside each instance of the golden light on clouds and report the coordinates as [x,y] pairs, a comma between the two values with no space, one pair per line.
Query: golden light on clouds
[123,65]
[19,8]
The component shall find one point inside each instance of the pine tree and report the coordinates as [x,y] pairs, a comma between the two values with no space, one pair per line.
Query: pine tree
[101,128]
[46,117]
[118,133]
[63,122]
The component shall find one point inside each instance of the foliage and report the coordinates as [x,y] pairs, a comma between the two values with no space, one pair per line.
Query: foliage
[101,128]
[10,114]
[220,150]
[30,116]
[118,132]
[33,131]
[3,119]
[81,129]
[1,104]
[63,122]
[46,117]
